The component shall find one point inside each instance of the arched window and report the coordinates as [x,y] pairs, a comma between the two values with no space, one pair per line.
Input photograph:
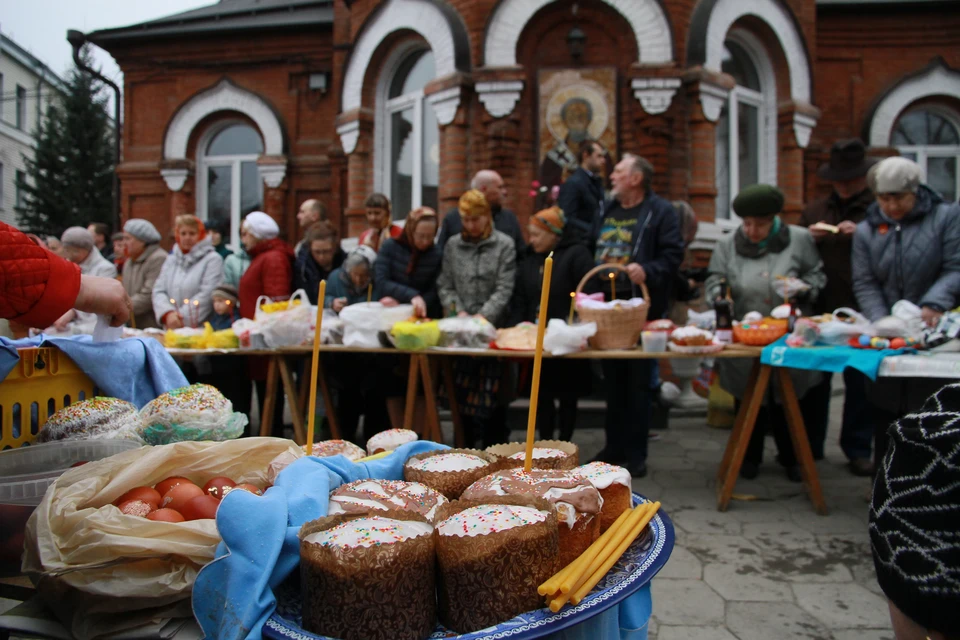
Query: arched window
[746,131]
[931,137]
[410,142]
[229,185]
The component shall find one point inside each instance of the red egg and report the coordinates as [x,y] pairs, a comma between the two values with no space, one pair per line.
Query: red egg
[898,343]
[165,485]
[180,495]
[146,494]
[215,486]
[137,508]
[200,508]
[165,515]
[79,464]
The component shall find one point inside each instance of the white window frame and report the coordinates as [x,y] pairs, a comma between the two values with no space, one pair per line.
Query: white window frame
[923,152]
[383,128]
[765,102]
[235,162]
[20,117]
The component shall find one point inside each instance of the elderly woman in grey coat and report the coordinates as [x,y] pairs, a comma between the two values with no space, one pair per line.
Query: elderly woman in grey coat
[145,258]
[750,260]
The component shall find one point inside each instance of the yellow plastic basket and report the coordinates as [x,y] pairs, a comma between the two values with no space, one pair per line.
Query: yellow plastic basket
[43,382]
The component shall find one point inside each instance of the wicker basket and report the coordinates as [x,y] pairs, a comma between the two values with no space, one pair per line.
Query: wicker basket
[757,337]
[618,328]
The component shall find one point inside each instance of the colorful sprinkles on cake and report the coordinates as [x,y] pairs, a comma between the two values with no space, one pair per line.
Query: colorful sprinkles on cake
[369,532]
[389,440]
[540,453]
[602,474]
[197,397]
[448,462]
[329,448]
[387,494]
[489,518]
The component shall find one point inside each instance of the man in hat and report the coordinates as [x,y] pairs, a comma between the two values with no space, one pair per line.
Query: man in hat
[832,222]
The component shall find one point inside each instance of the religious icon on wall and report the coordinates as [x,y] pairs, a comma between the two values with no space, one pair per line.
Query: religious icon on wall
[575,105]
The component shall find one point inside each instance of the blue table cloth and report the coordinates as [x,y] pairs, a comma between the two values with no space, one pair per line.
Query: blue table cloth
[832,359]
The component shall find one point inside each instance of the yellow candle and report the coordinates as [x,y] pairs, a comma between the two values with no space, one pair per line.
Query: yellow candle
[573,304]
[369,292]
[552,585]
[312,416]
[613,287]
[537,361]
[601,549]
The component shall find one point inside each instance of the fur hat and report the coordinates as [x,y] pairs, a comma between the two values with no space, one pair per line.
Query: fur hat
[77,237]
[895,175]
[758,201]
[226,292]
[261,225]
[142,230]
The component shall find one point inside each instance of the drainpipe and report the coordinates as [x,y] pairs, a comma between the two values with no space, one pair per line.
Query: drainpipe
[77,39]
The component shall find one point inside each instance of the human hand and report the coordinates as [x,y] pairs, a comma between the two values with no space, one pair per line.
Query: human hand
[339,304]
[389,302]
[930,316]
[636,273]
[847,227]
[61,323]
[105,297]
[463,314]
[419,307]
[173,320]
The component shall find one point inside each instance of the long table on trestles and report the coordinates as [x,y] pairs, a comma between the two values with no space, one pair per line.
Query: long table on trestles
[427,364]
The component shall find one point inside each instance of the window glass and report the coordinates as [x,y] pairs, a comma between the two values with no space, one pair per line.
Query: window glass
[749,144]
[414,74]
[738,64]
[942,176]
[234,140]
[924,127]
[401,178]
[219,191]
[430,174]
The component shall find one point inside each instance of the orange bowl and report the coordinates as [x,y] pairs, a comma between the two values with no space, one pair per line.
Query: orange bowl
[757,337]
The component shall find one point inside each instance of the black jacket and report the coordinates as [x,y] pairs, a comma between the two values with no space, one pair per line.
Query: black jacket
[581,198]
[504,221]
[307,274]
[571,261]
[390,274]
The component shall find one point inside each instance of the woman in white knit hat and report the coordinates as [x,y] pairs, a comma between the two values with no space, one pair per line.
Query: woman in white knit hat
[145,258]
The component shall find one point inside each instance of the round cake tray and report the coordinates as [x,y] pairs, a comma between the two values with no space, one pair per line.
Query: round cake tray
[638,565]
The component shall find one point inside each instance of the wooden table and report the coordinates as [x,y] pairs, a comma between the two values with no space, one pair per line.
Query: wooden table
[425,365]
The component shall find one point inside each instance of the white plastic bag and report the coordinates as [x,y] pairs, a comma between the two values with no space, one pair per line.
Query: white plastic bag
[363,322]
[911,315]
[287,328]
[706,320]
[838,332]
[790,287]
[562,338]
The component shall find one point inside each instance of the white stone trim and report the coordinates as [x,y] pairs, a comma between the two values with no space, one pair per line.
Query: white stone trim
[499,98]
[778,18]
[712,99]
[175,178]
[655,94]
[802,127]
[646,18]
[421,16]
[445,104]
[225,96]
[272,173]
[938,80]
[349,135]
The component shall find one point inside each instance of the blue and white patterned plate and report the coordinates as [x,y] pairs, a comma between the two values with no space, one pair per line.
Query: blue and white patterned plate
[638,565]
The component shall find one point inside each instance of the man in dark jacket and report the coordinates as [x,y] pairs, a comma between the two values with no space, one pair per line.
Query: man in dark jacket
[490,184]
[581,196]
[832,222]
[641,231]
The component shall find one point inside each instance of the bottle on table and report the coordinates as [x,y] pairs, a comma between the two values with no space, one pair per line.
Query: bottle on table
[723,306]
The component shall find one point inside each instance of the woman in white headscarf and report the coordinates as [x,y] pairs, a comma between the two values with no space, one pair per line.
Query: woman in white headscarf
[271,267]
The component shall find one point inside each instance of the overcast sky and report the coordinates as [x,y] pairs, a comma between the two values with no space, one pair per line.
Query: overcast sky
[40,26]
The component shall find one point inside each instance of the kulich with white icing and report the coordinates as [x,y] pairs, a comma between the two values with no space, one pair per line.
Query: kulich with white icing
[540,453]
[329,448]
[448,462]
[363,496]
[368,532]
[389,440]
[602,474]
[570,493]
[485,519]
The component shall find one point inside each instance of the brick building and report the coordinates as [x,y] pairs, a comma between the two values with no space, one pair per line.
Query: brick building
[250,104]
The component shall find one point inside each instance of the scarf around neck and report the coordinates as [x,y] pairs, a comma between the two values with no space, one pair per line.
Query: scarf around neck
[777,241]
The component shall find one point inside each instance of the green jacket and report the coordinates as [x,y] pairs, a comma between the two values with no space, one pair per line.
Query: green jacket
[234,266]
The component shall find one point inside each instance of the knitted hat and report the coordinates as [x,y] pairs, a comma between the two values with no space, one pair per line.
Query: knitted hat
[473,204]
[551,219]
[226,292]
[915,515]
[142,230]
[261,225]
[758,200]
[895,175]
[361,254]
[77,237]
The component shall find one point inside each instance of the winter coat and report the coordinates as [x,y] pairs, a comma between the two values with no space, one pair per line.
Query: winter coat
[221,322]
[234,266]
[836,248]
[307,274]
[479,277]
[191,276]
[97,265]
[339,285]
[36,285]
[751,283]
[139,277]
[581,198]
[917,259]
[504,221]
[270,274]
[571,261]
[390,274]
[371,237]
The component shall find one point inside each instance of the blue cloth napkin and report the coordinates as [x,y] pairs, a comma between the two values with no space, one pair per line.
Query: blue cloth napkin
[828,358]
[135,369]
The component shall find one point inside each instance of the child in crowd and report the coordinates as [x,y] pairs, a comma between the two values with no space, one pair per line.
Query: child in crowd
[379,225]
[226,311]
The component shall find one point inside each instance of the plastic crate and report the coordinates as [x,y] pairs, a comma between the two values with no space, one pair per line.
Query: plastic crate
[43,382]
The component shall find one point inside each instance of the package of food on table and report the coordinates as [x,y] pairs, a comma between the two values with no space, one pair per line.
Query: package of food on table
[522,337]
[197,412]
[844,323]
[224,339]
[562,338]
[94,419]
[109,569]
[415,334]
[184,338]
[806,332]
[472,332]
[364,321]
[288,326]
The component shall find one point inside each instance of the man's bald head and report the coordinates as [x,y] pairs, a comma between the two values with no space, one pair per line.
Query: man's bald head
[490,184]
[311,211]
